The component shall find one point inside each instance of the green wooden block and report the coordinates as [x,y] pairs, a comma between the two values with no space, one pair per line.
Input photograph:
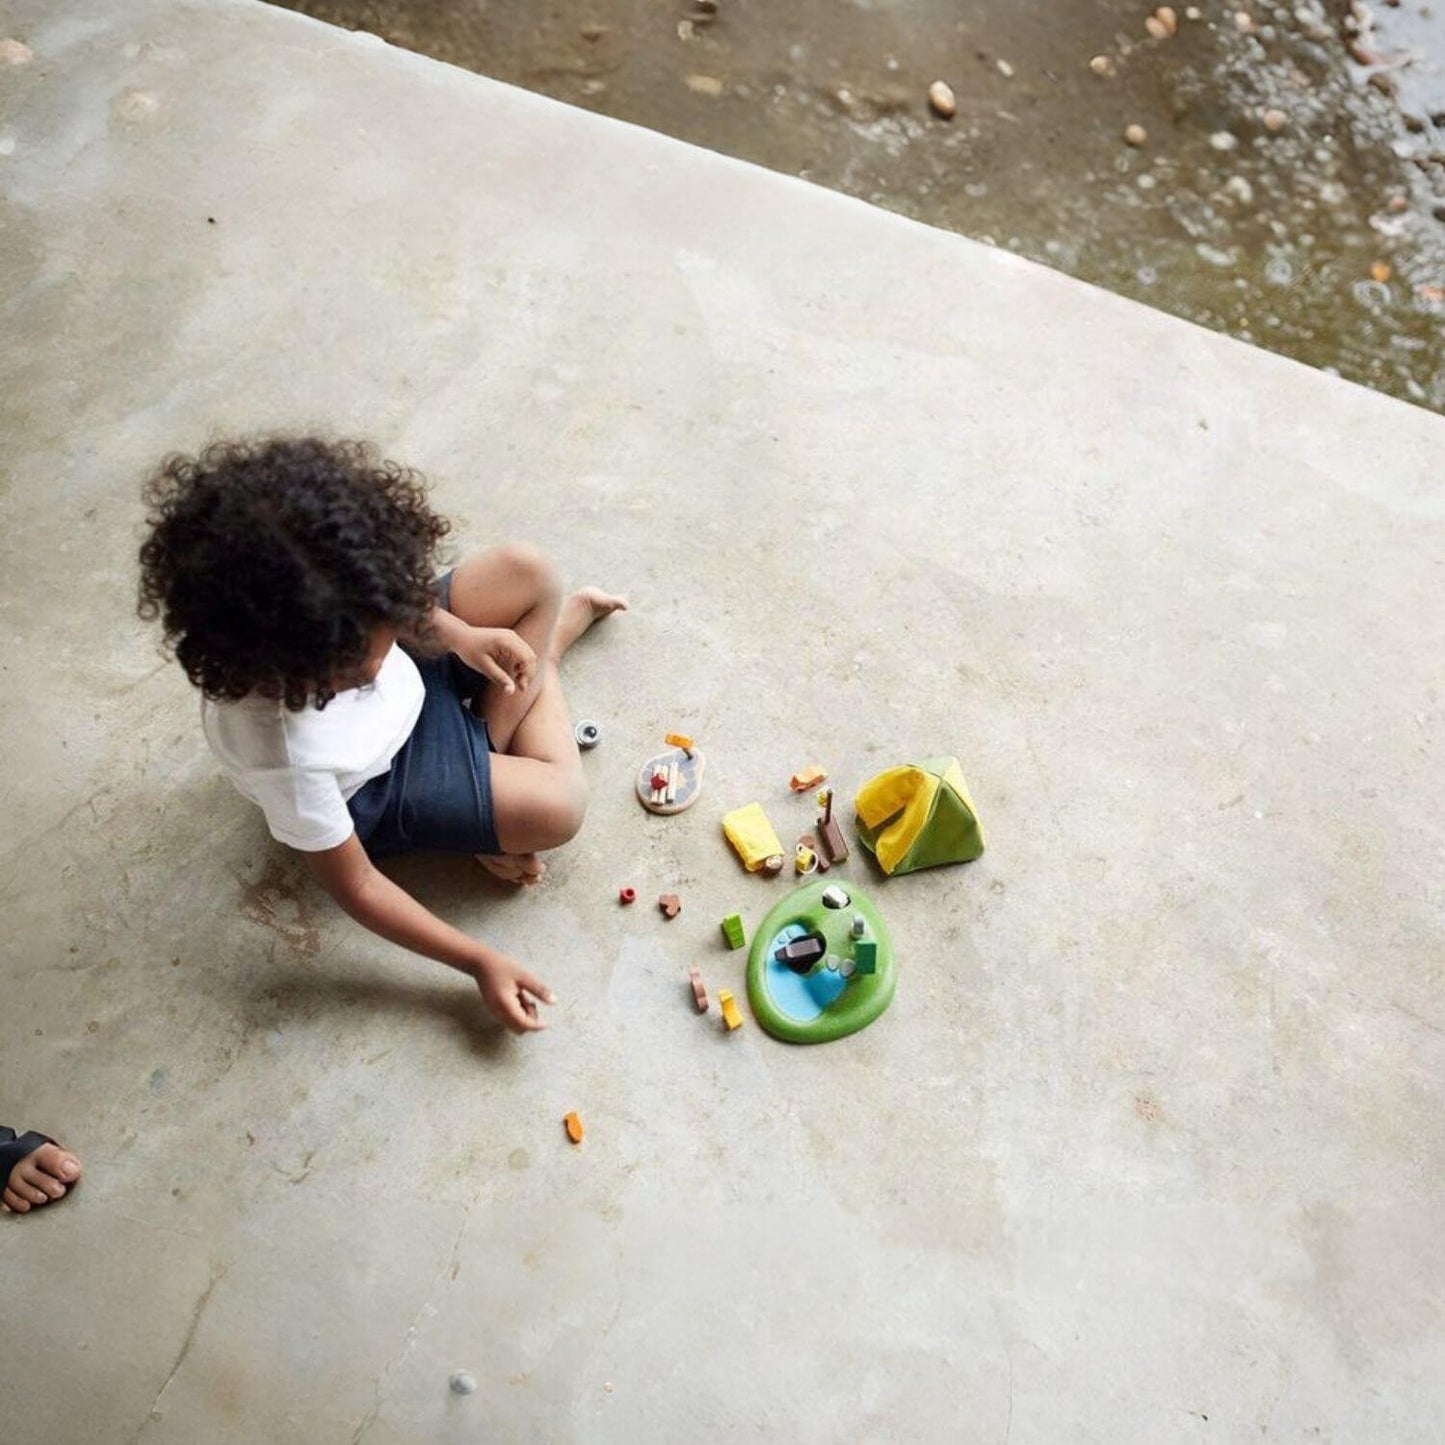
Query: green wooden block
[732,927]
[865,955]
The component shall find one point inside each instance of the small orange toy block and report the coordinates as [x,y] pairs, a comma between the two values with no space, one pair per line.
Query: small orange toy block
[679,740]
[573,1125]
[699,989]
[808,778]
[732,1019]
[670,904]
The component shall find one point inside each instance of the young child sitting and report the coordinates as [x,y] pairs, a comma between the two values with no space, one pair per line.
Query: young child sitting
[368,706]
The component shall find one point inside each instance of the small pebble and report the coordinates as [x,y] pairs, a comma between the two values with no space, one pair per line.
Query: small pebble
[1156,27]
[1274,120]
[1397,204]
[14,52]
[1193,12]
[1240,189]
[1223,140]
[1242,22]
[1101,65]
[1167,18]
[1381,271]
[1005,69]
[463,1383]
[940,97]
[704,85]
[1135,135]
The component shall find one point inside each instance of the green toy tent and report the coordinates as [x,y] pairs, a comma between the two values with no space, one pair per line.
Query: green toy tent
[918,816]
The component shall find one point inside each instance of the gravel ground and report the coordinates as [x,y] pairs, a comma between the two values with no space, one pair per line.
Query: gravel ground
[1288,186]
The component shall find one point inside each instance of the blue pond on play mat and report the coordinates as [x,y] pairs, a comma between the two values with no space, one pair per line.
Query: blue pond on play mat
[801,996]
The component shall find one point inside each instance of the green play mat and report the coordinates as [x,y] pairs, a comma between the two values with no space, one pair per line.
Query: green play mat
[828,996]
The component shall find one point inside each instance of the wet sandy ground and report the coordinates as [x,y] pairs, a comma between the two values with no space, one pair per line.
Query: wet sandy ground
[1289,189]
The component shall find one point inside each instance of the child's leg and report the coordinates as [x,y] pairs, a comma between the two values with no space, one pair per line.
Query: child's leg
[539,791]
[514,586]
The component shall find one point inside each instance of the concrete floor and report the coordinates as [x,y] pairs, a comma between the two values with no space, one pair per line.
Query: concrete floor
[1149,1146]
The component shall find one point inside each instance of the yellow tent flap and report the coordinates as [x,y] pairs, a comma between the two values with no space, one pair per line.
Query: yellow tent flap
[907,792]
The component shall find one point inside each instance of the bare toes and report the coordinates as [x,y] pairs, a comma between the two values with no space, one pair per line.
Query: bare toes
[602,602]
[31,1173]
[57,1162]
[15,1203]
[500,866]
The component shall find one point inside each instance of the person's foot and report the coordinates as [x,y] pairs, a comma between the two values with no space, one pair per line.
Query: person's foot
[526,868]
[579,611]
[41,1177]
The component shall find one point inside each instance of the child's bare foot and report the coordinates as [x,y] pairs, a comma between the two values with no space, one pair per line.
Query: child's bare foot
[525,868]
[40,1177]
[579,611]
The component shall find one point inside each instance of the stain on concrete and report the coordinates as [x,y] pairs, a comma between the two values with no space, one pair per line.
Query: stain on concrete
[1147,1107]
[274,902]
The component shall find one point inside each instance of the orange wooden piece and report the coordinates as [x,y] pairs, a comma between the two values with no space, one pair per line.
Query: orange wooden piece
[573,1126]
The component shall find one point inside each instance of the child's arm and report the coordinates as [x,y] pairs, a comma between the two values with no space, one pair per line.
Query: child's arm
[497,653]
[387,909]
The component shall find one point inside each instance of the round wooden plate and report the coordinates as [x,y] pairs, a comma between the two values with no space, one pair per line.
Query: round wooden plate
[689,780]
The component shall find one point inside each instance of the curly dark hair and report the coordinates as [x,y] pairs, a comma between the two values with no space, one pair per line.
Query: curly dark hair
[270,562]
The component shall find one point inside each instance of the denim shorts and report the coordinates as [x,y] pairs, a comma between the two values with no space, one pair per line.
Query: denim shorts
[437,794]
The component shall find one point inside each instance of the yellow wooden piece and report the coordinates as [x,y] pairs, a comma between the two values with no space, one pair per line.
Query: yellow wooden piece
[749,831]
[679,740]
[573,1126]
[731,1017]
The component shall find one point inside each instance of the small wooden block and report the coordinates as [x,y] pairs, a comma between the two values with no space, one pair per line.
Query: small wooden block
[810,842]
[699,990]
[830,837]
[732,1019]
[808,778]
[573,1125]
[670,904]
[679,740]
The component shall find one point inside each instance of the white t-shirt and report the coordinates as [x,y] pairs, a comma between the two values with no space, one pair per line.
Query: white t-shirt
[301,767]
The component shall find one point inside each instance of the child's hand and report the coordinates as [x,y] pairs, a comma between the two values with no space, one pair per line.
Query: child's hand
[511,993]
[500,655]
